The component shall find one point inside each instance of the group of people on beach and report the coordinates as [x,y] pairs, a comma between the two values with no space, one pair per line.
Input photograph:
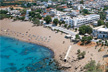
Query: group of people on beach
[22,35]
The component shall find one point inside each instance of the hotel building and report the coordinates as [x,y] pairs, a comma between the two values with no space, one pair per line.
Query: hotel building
[83,20]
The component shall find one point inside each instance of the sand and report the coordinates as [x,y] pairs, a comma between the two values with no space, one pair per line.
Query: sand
[24,30]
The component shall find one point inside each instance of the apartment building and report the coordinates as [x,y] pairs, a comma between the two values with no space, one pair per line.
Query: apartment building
[83,20]
[38,7]
[100,32]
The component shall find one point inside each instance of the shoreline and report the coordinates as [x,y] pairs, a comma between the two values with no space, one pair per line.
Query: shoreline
[32,43]
[56,42]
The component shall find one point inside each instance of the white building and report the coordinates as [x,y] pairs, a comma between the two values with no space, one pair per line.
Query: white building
[14,13]
[38,7]
[83,20]
[27,14]
[67,19]
[106,11]
[75,21]
[75,12]
[100,32]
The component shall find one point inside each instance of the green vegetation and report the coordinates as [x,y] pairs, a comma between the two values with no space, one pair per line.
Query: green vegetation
[81,55]
[85,29]
[85,11]
[65,25]
[3,14]
[56,21]
[100,22]
[106,24]
[77,37]
[19,18]
[102,15]
[92,67]
[69,26]
[78,51]
[7,4]
[59,9]
[48,19]
[39,10]
[26,4]
[86,40]
[75,29]
[81,2]
[33,14]
[23,11]
[36,22]
[105,8]
[3,11]
[61,22]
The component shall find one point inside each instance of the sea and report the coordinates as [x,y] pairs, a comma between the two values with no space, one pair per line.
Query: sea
[19,56]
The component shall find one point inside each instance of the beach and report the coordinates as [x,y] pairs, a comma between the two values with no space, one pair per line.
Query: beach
[25,31]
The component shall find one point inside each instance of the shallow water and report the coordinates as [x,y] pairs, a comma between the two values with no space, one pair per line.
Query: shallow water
[21,56]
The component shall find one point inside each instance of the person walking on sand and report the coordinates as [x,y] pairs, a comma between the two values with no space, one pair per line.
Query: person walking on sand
[63,42]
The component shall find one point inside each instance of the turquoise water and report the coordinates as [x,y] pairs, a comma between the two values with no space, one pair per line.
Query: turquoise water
[21,56]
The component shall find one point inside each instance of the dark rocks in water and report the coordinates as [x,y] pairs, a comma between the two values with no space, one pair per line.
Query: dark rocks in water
[10,69]
[29,68]
[14,50]
[11,64]
[45,64]
[5,56]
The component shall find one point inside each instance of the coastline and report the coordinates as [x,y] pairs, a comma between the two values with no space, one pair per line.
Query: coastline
[32,43]
[46,44]
[52,40]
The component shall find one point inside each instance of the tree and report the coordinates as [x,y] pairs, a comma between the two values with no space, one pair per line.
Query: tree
[85,11]
[106,24]
[36,22]
[77,36]
[48,19]
[22,18]
[86,39]
[100,41]
[11,8]
[81,2]
[92,67]
[32,14]
[100,22]
[63,22]
[38,16]
[69,27]
[75,29]
[97,43]
[29,4]
[55,21]
[3,12]
[23,11]
[85,29]
[65,25]
[89,38]
[60,23]
[2,16]
[78,51]
[102,15]
[83,54]
[39,10]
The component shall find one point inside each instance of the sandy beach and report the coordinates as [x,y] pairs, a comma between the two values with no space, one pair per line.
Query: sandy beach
[24,30]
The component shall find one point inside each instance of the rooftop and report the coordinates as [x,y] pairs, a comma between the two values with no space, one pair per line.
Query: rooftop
[103,29]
